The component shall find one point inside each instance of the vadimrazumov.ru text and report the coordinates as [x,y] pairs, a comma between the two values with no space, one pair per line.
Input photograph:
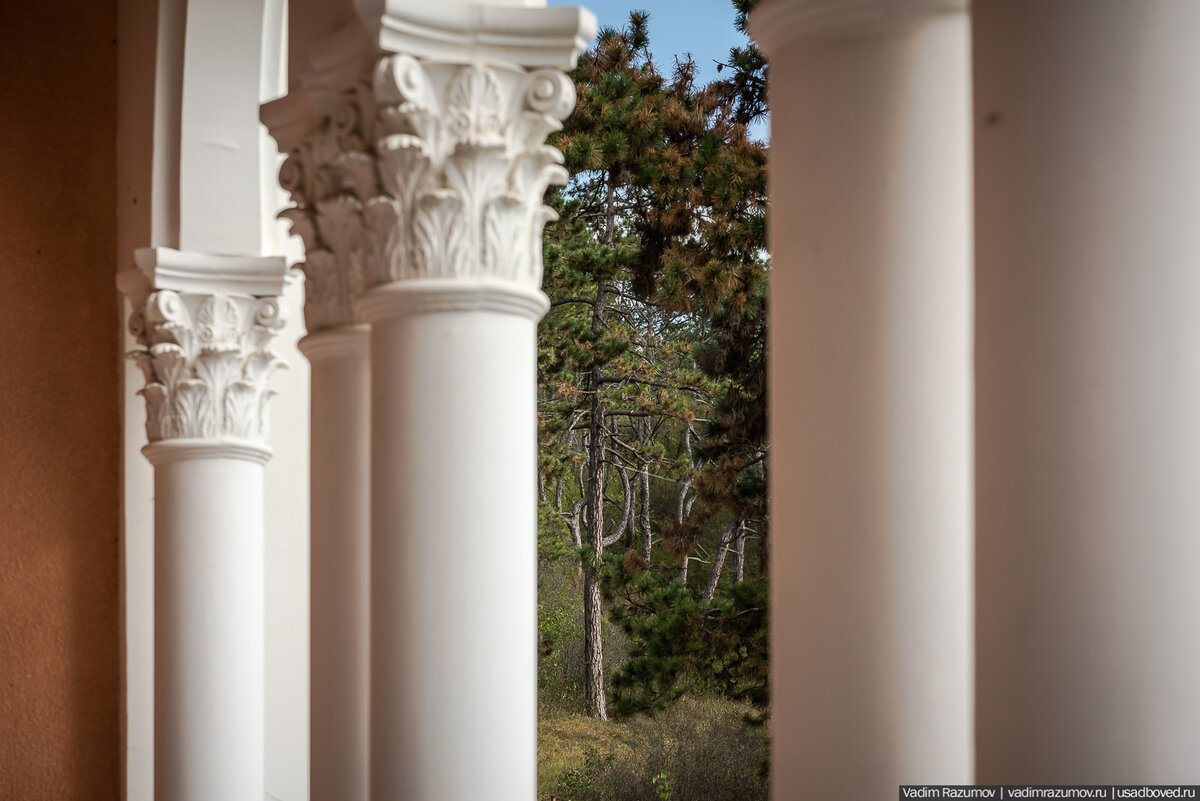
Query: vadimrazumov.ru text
[1021,791]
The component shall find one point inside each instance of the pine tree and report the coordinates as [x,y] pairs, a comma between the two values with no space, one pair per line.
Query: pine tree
[618,374]
[705,255]
[652,364]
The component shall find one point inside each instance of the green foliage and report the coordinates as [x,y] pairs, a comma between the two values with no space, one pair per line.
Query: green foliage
[560,638]
[618,378]
[746,85]
[577,782]
[662,786]
[553,542]
[679,642]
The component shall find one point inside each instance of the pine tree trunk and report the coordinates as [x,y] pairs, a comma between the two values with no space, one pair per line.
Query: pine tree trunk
[578,513]
[593,645]
[593,616]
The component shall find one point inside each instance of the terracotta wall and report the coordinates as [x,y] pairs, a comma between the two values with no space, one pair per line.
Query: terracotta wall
[59,424]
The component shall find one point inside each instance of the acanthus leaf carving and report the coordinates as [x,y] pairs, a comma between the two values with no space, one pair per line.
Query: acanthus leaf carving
[441,244]
[331,176]
[427,170]
[471,205]
[388,237]
[507,234]
[207,361]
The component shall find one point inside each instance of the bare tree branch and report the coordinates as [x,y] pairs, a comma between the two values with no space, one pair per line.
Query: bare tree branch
[624,524]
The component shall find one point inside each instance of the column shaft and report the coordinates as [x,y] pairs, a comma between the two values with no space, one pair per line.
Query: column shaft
[340,468]
[453,547]
[208,625]
[1088,384]
[870,396]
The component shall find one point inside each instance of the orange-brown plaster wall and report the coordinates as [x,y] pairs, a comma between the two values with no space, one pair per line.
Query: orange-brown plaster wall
[59,416]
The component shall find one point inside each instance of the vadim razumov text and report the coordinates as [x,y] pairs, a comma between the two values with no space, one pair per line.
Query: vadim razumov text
[1020,791]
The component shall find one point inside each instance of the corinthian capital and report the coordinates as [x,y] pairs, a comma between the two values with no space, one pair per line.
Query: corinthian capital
[329,174]
[463,166]
[431,163]
[205,342]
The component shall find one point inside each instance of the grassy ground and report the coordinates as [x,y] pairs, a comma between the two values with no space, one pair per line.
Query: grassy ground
[564,741]
[700,750]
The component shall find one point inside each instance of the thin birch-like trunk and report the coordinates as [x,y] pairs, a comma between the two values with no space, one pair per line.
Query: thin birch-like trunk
[683,508]
[714,575]
[739,554]
[626,510]
[647,534]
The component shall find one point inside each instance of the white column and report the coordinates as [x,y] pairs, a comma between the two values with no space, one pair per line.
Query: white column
[418,184]
[208,619]
[453,317]
[1087,119]
[326,155]
[339,562]
[205,324]
[869,395]
[455,271]
[453,646]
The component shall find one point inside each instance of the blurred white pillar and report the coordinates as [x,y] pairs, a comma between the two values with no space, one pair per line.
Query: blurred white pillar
[1088,186]
[324,149]
[340,436]
[205,325]
[870,395]
[322,155]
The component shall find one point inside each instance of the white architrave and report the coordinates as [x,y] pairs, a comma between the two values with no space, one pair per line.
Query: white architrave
[870,394]
[205,326]
[418,180]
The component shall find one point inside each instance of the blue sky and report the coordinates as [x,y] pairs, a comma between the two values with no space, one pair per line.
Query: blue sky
[703,28]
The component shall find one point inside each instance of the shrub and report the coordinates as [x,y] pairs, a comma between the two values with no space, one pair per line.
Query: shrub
[561,663]
[700,750]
